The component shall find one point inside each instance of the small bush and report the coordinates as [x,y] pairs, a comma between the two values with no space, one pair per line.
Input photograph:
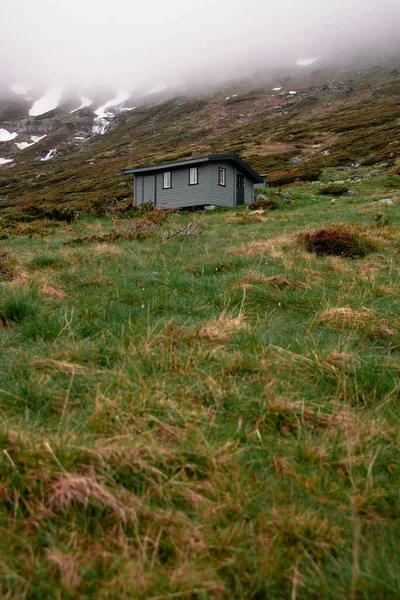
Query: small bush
[54,213]
[264,203]
[381,220]
[147,207]
[337,243]
[333,189]
[138,229]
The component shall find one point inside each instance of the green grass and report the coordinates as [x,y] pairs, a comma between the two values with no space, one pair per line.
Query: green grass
[205,418]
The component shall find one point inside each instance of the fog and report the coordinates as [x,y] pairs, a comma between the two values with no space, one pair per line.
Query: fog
[130,44]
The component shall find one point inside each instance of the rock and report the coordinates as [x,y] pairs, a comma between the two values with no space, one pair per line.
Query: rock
[297,160]
[40,175]
[350,193]
[339,182]
[340,169]
[374,173]
[262,197]
[210,207]
[326,153]
[384,202]
[284,195]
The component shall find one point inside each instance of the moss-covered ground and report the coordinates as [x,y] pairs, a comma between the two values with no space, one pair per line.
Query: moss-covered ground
[204,417]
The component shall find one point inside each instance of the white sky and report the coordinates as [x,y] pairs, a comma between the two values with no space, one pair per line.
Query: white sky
[129,42]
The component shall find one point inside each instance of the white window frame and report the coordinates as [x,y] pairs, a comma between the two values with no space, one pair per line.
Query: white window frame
[167,180]
[193,180]
[221,176]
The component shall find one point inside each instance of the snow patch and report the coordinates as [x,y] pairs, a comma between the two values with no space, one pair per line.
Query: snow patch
[23,145]
[50,155]
[4,161]
[127,108]
[79,138]
[292,93]
[228,98]
[6,136]
[35,139]
[119,99]
[47,102]
[304,62]
[20,89]
[276,89]
[84,102]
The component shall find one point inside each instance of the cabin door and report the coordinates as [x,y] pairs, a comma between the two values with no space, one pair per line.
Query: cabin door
[239,189]
[149,189]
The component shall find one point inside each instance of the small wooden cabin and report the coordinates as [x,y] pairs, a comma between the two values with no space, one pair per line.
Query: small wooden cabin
[218,179]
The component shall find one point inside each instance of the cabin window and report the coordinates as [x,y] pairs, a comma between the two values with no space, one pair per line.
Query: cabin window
[221,176]
[193,175]
[167,180]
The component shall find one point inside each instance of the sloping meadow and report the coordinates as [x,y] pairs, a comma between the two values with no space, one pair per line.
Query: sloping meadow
[206,416]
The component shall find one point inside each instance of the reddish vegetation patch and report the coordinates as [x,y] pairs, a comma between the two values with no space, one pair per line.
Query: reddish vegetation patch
[337,243]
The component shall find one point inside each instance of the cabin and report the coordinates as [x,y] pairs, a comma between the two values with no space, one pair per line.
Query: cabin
[217,179]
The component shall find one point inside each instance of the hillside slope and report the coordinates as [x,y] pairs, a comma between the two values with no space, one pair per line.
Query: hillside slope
[336,117]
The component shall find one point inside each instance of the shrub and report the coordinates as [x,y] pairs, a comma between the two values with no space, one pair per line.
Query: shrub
[338,243]
[54,213]
[333,189]
[147,207]
[265,203]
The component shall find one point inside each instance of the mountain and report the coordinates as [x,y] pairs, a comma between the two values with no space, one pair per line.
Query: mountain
[289,124]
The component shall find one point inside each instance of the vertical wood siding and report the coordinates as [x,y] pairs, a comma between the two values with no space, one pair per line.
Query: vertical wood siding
[222,195]
[181,194]
[148,187]
[138,189]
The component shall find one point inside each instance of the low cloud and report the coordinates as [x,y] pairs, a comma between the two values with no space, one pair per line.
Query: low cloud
[132,45]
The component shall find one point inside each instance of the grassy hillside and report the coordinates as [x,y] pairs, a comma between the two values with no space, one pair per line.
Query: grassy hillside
[206,416]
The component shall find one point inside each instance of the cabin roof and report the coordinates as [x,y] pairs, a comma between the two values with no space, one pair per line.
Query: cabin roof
[251,173]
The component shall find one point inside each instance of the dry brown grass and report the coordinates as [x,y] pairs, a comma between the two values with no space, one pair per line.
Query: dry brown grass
[348,318]
[21,278]
[275,281]
[68,565]
[73,490]
[221,329]
[60,366]
[105,248]
[52,292]
[276,248]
